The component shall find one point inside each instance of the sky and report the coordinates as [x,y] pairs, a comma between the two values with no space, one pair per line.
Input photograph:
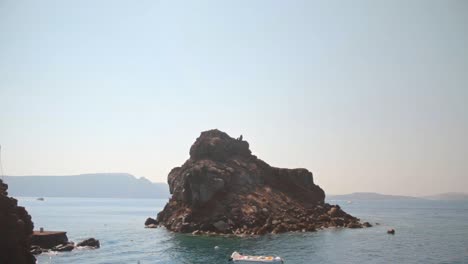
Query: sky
[368,95]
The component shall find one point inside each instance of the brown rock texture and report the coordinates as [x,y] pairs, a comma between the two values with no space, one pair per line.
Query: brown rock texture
[16,228]
[223,188]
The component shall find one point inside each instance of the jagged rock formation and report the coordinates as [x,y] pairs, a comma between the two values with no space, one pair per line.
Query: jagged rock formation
[58,241]
[16,228]
[223,188]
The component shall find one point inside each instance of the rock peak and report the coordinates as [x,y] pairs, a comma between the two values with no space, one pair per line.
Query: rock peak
[218,145]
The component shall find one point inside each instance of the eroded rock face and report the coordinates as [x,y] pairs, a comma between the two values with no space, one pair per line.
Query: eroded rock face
[16,228]
[223,188]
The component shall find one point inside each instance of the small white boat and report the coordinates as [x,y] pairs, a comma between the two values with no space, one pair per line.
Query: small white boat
[237,257]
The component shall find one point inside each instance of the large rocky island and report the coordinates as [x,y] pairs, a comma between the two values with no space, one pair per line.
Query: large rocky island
[222,188]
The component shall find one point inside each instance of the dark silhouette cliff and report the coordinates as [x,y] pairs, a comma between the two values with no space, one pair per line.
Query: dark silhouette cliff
[223,188]
[16,229]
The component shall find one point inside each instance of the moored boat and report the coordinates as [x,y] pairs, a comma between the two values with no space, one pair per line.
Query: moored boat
[238,258]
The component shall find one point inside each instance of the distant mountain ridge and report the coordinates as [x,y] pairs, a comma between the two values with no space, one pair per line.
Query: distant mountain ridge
[97,185]
[370,196]
[448,196]
[453,196]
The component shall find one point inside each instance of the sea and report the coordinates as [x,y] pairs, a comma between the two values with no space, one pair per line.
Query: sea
[426,232]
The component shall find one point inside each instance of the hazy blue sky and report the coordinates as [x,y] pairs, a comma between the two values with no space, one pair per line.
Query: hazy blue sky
[369,95]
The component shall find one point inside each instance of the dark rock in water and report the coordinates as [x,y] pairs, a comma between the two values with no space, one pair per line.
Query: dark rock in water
[36,250]
[90,242]
[49,239]
[223,188]
[391,231]
[366,224]
[150,221]
[16,228]
[64,247]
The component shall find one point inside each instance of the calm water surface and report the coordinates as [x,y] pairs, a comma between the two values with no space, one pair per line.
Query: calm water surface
[426,232]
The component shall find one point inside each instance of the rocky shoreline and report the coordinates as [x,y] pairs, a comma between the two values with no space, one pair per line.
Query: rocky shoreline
[19,243]
[224,189]
[43,242]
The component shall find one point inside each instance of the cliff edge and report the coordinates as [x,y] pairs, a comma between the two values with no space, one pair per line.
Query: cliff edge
[16,229]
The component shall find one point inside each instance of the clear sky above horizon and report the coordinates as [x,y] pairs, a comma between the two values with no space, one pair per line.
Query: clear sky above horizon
[368,95]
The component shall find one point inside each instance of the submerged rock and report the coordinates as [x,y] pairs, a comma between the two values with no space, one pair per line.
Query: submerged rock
[223,188]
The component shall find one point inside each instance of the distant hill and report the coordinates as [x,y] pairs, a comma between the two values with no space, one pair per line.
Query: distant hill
[110,185]
[369,196]
[448,196]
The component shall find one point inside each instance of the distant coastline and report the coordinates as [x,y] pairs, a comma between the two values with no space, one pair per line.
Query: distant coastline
[124,185]
[96,185]
[377,196]
[450,196]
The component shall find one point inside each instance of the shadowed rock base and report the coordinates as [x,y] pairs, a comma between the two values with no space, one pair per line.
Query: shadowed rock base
[224,189]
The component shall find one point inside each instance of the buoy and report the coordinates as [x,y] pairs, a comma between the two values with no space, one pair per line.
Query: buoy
[216,247]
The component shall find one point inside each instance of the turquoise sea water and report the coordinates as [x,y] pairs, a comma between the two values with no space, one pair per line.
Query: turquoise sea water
[426,232]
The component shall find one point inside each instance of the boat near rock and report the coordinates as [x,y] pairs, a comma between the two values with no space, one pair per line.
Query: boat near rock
[224,189]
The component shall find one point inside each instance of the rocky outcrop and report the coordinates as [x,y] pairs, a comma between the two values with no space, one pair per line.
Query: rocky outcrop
[223,188]
[63,245]
[16,228]
[49,239]
[150,221]
[90,242]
